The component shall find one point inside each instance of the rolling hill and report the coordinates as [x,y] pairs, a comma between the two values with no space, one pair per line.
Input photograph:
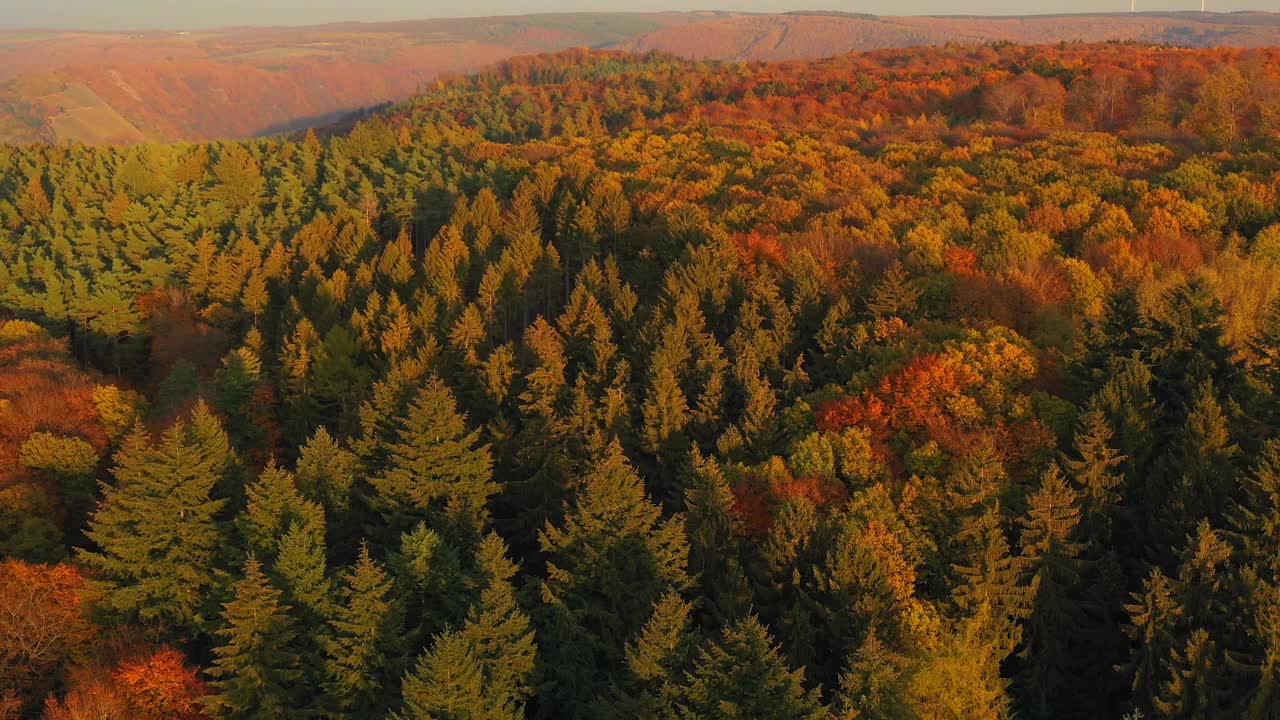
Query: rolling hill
[239,82]
[814,35]
[61,86]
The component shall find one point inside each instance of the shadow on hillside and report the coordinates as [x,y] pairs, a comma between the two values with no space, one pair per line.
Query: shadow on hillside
[335,121]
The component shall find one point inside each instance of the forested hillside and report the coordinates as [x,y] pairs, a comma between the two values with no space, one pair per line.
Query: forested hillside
[935,384]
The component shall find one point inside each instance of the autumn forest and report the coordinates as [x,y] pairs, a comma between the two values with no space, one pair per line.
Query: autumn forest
[921,384]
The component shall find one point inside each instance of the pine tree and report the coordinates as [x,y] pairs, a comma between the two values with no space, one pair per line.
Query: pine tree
[156,529]
[435,470]
[500,633]
[742,676]
[991,588]
[655,658]
[871,688]
[894,294]
[272,507]
[1255,520]
[256,669]
[1202,469]
[1051,559]
[301,574]
[362,655]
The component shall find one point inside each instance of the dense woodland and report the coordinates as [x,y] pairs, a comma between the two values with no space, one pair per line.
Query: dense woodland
[934,384]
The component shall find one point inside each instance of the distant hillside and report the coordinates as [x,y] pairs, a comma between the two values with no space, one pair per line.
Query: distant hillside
[240,82]
[122,87]
[813,35]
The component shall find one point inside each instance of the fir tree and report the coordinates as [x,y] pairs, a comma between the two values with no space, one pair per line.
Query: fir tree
[448,684]
[256,669]
[1153,619]
[606,565]
[1051,559]
[362,656]
[714,556]
[156,530]
[435,470]
[1193,691]
[742,676]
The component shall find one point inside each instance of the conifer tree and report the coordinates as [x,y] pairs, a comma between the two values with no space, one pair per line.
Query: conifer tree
[871,688]
[500,633]
[714,555]
[991,589]
[1094,476]
[1153,619]
[1051,558]
[1193,691]
[272,507]
[606,565]
[256,669]
[1202,467]
[448,684]
[362,655]
[435,470]
[742,676]
[655,658]
[156,533]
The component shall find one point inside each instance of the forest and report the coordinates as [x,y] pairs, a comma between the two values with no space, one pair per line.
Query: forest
[928,384]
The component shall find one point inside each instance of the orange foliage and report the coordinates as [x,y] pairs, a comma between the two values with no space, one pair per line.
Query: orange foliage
[160,686]
[756,496]
[43,389]
[43,622]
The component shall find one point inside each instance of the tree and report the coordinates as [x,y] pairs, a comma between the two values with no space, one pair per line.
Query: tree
[448,684]
[609,561]
[1153,619]
[1193,690]
[1094,475]
[1051,558]
[256,668]
[742,676]
[435,470]
[714,554]
[362,657]
[156,532]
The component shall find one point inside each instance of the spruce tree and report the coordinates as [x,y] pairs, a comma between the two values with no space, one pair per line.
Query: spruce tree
[436,471]
[1154,618]
[256,669]
[714,553]
[364,647]
[1194,689]
[156,530]
[1051,558]
[606,565]
[448,684]
[1095,477]
[742,676]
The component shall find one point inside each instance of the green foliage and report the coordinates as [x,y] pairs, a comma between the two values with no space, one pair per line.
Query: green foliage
[156,538]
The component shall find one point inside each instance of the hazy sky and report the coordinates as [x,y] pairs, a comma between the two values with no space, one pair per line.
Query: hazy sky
[120,14]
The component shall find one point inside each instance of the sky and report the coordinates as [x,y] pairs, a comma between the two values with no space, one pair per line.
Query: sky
[191,14]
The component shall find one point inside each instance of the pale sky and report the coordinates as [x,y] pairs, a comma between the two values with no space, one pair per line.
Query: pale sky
[182,14]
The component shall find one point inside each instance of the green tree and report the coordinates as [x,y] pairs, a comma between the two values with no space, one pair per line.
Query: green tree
[436,472]
[742,676]
[155,534]
[1051,558]
[607,564]
[255,670]
[363,652]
